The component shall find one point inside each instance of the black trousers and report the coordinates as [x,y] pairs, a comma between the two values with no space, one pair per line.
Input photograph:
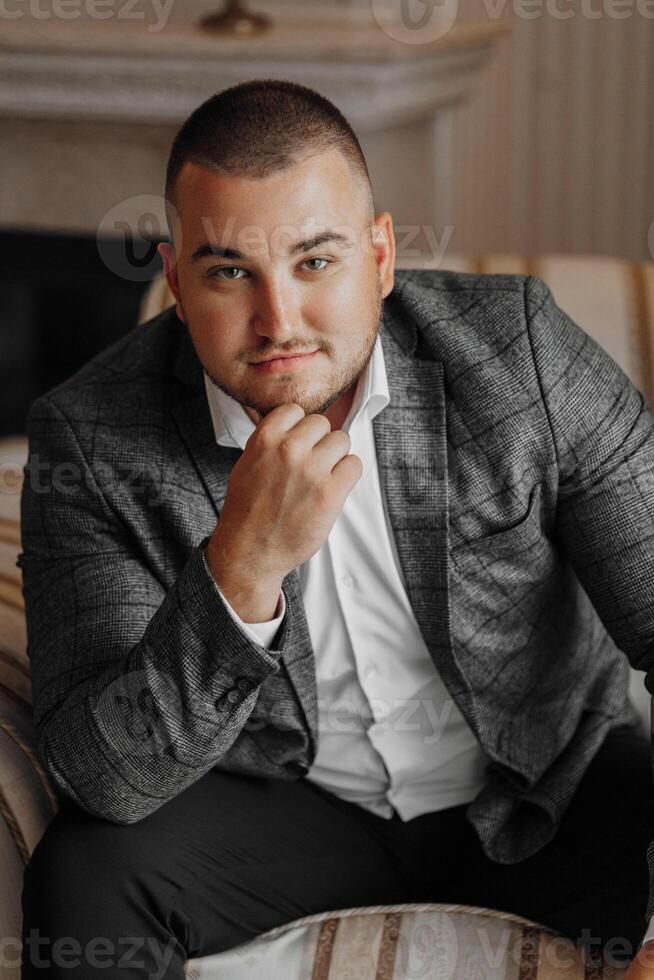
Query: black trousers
[234,855]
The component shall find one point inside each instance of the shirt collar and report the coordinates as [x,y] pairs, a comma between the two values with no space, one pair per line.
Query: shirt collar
[232,425]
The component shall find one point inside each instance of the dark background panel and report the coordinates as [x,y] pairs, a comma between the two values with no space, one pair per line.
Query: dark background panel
[63,298]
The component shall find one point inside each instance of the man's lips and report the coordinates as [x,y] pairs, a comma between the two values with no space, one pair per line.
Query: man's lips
[283,362]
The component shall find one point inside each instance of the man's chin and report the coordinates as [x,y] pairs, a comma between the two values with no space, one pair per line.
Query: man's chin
[289,395]
[310,406]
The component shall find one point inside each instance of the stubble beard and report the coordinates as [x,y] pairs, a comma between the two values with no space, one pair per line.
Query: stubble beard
[337,385]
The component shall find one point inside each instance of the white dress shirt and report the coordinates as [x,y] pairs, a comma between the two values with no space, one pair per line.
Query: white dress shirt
[390,735]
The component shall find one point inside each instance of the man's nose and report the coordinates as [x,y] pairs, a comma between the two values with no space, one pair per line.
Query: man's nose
[275,312]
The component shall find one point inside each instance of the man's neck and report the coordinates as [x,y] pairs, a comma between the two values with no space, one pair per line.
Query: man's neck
[337,413]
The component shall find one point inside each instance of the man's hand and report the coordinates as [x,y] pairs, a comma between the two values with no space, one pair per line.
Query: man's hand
[284,494]
[642,965]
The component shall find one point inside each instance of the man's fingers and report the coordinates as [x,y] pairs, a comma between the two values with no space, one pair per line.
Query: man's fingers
[305,434]
[283,417]
[331,448]
[277,422]
[347,471]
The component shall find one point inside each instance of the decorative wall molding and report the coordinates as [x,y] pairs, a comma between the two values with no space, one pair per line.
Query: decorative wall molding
[128,75]
[88,112]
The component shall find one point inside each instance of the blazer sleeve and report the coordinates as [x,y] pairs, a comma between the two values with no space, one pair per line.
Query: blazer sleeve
[138,691]
[602,428]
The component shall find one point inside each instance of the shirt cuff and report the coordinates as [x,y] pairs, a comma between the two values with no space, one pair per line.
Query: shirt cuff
[650,931]
[261,633]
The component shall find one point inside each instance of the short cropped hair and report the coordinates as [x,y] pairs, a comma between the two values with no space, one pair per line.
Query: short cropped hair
[261,127]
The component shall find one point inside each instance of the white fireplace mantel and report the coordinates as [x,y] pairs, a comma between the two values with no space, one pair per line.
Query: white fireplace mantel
[71,94]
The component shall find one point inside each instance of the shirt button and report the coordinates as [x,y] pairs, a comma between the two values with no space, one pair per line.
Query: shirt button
[347,581]
[369,671]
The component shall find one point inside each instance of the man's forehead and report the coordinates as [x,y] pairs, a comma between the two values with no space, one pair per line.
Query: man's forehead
[219,219]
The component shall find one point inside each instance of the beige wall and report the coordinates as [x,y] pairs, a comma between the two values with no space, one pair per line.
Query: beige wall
[556,152]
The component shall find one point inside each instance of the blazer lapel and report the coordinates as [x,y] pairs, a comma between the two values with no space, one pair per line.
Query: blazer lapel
[411,445]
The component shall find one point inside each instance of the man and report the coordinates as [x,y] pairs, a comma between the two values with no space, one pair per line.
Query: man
[333,576]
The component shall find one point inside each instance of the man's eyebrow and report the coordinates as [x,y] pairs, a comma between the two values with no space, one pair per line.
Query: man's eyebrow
[304,246]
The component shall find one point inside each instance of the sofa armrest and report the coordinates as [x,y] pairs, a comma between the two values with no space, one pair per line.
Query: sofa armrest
[27,804]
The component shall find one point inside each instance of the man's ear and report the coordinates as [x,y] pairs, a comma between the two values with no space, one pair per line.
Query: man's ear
[169,259]
[383,242]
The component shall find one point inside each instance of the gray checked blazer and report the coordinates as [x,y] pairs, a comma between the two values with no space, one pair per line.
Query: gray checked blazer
[517,462]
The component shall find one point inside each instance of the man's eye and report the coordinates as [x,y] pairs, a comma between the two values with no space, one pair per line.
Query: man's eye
[227,268]
[317,259]
[231,272]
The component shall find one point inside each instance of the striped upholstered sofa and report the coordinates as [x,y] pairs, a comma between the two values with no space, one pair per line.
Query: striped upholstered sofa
[613,300]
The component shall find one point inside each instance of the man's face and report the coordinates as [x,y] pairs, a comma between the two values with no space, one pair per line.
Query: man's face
[251,284]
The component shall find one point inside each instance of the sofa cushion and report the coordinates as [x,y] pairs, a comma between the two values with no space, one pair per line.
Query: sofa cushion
[399,942]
